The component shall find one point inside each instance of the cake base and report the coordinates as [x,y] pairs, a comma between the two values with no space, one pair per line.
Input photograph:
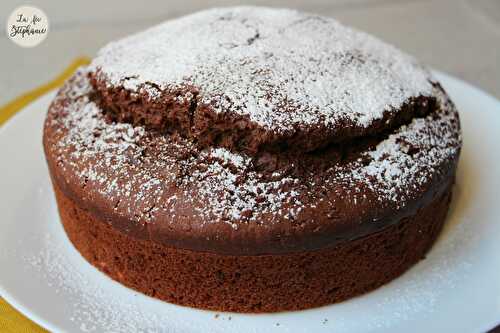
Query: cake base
[262,283]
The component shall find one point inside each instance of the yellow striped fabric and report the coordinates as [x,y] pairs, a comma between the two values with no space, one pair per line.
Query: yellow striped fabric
[20,102]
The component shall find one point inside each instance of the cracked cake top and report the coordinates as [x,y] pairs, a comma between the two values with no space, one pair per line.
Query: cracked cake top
[275,76]
[251,130]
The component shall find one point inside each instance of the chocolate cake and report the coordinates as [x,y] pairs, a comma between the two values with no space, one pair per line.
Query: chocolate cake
[253,160]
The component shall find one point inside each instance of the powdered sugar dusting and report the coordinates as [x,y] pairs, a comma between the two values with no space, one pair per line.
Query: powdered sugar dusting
[228,157]
[94,307]
[152,177]
[281,68]
[396,171]
[110,161]
[236,197]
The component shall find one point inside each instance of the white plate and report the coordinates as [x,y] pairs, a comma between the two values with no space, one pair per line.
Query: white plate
[456,289]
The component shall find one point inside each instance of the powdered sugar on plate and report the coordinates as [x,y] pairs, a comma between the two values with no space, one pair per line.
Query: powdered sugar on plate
[93,307]
[282,68]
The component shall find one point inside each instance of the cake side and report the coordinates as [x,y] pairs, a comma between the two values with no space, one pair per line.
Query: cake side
[264,283]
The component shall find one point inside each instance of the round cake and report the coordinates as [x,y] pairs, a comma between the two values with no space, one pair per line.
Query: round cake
[253,160]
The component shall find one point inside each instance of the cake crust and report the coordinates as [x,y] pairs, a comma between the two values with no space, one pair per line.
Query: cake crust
[253,160]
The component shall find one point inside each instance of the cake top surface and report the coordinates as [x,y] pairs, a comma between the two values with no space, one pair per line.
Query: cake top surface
[378,136]
[282,69]
[217,199]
